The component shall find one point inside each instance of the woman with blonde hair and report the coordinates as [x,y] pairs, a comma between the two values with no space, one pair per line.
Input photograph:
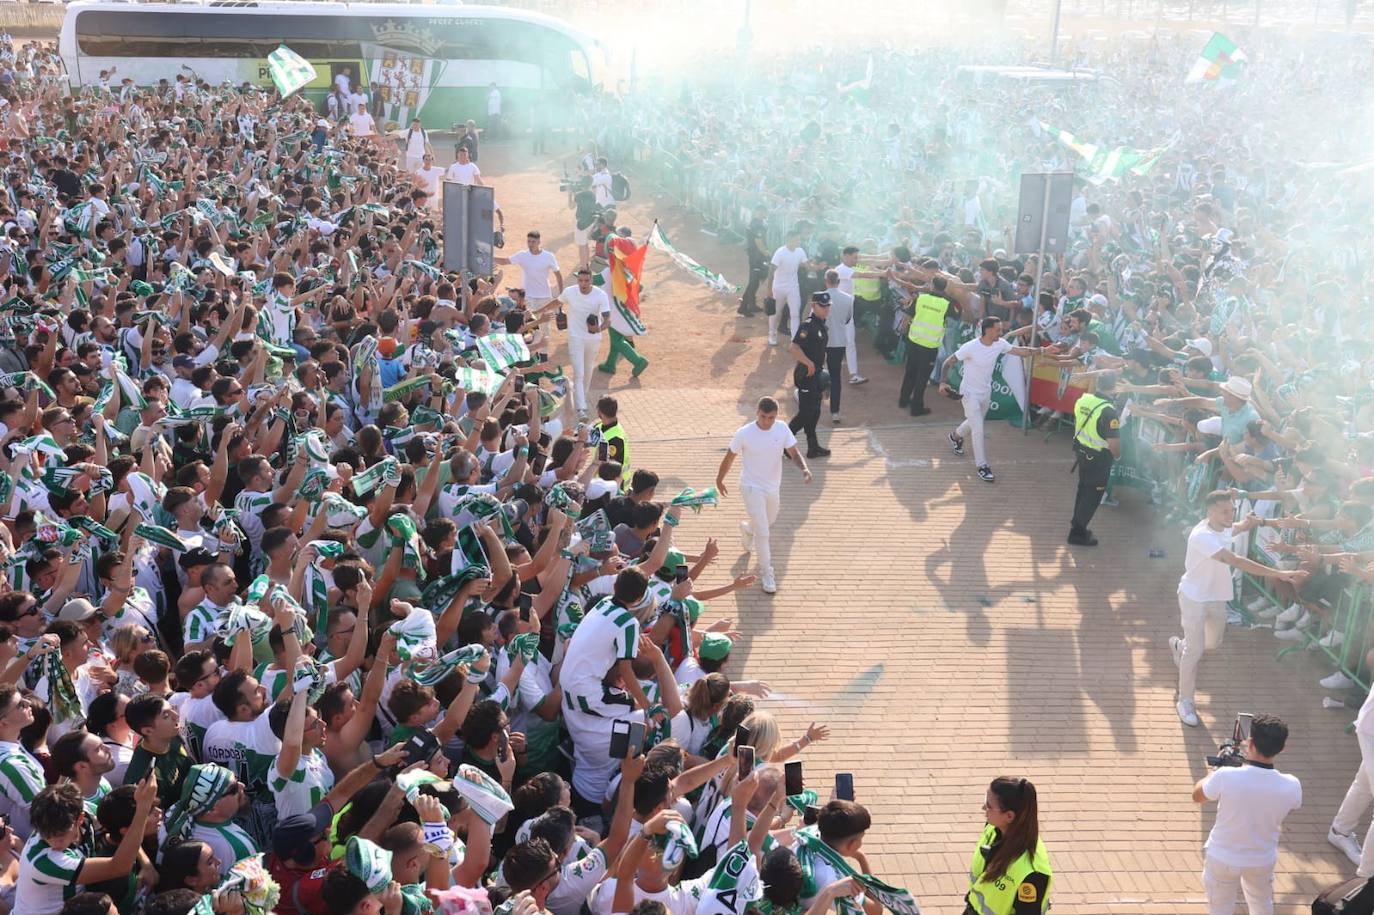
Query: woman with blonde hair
[127,643]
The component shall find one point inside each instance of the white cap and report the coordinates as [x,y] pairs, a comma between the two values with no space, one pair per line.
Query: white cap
[1202,345]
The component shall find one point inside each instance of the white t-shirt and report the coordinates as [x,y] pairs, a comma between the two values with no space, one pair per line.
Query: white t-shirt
[1251,804]
[494,102]
[341,80]
[679,899]
[463,173]
[1204,578]
[429,179]
[581,307]
[787,261]
[249,749]
[593,765]
[760,452]
[534,270]
[361,124]
[415,142]
[601,186]
[846,274]
[979,361]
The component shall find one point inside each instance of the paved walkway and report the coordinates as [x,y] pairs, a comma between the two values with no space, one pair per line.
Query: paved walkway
[944,631]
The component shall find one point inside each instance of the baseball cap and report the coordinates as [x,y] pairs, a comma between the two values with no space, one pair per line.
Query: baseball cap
[295,836]
[715,647]
[1202,345]
[196,556]
[183,362]
[77,610]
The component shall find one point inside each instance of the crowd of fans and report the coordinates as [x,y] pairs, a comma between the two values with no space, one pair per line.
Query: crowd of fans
[1224,287]
[314,602]
[319,600]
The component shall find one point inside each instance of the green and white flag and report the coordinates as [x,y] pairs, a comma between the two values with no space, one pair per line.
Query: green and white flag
[1221,59]
[289,70]
[1109,164]
[690,498]
[659,242]
[734,883]
[501,351]
[43,444]
[470,379]
[468,552]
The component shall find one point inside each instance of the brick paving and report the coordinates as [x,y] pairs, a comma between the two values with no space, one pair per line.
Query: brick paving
[943,630]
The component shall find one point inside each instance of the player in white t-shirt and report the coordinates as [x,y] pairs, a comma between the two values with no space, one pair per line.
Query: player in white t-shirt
[785,279]
[979,357]
[535,266]
[589,313]
[463,170]
[1206,588]
[760,446]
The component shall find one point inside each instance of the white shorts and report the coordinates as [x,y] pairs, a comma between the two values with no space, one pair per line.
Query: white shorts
[582,236]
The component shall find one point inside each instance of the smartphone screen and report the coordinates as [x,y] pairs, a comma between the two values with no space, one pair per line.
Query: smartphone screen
[519,382]
[620,739]
[537,466]
[792,778]
[1243,726]
[603,451]
[844,786]
[746,761]
[681,574]
[742,737]
[502,746]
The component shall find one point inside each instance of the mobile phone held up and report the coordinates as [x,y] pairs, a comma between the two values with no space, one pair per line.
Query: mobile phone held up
[626,738]
[844,786]
[420,748]
[603,451]
[746,760]
[792,779]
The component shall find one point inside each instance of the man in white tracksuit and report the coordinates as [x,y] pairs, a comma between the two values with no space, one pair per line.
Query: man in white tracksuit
[589,310]
[760,446]
[785,267]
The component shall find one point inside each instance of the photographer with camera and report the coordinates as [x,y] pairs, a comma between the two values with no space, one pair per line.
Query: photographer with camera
[1252,801]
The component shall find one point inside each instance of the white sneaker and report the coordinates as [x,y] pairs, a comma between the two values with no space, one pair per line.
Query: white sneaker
[1345,843]
[834,419]
[1176,648]
[1258,604]
[1268,612]
[1337,680]
[1290,635]
[769,584]
[772,339]
[746,536]
[1291,614]
[1187,713]
[1304,621]
[857,379]
[1332,639]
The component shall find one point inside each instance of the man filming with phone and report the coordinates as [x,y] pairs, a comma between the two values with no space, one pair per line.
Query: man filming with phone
[1252,801]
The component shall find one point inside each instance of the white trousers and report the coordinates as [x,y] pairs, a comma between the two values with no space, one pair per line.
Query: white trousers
[975,408]
[1223,883]
[1204,624]
[791,295]
[1356,805]
[762,506]
[582,353]
[851,349]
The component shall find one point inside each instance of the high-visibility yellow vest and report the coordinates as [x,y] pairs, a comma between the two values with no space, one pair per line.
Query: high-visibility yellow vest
[928,321]
[869,289]
[615,432]
[997,897]
[1085,413]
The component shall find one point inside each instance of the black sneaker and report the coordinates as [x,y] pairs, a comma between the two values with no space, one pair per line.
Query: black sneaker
[1085,538]
[817,452]
[985,472]
[919,411]
[958,444]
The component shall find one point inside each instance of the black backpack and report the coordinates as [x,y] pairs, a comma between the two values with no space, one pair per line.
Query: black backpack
[620,187]
[1349,897]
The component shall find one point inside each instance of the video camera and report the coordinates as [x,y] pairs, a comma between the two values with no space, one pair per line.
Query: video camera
[568,184]
[1232,750]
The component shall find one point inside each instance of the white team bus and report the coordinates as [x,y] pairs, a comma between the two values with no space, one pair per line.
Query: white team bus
[437,62]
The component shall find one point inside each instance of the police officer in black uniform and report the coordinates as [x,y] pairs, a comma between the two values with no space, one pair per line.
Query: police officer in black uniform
[754,240]
[808,348]
[1094,465]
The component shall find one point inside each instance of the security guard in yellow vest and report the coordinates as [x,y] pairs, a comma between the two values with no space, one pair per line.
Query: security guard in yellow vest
[923,336]
[1097,444]
[617,442]
[1010,873]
